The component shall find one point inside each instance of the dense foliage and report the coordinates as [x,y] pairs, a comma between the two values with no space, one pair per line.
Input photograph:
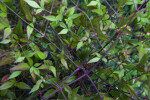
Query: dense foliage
[74,49]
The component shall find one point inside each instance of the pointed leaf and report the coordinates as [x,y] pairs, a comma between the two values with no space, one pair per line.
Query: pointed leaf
[50,18]
[15,74]
[5,78]
[36,86]
[70,11]
[33,75]
[26,10]
[53,69]
[74,16]
[8,59]
[41,55]
[79,45]
[98,11]
[44,66]
[7,85]
[48,92]
[94,60]
[63,61]
[7,32]
[64,31]
[36,71]
[21,67]
[22,85]
[131,90]
[93,3]
[144,58]
[20,59]
[5,41]
[64,2]
[29,30]
[39,11]
[32,3]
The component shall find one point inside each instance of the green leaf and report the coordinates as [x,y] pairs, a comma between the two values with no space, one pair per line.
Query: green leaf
[22,85]
[29,53]
[74,16]
[32,3]
[72,78]
[93,3]
[21,67]
[26,10]
[36,86]
[141,52]
[41,55]
[70,23]
[29,30]
[50,18]
[79,45]
[64,31]
[120,73]
[103,37]
[98,11]
[63,61]
[129,66]
[131,90]
[70,11]
[14,74]
[36,71]
[42,3]
[37,64]
[53,69]
[7,85]
[5,41]
[31,69]
[3,23]
[48,92]
[20,59]
[39,11]
[7,32]
[63,25]
[3,7]
[44,66]
[120,3]
[144,58]
[64,2]
[145,20]
[94,60]
[34,47]
[3,14]
[59,17]
[68,89]
[30,61]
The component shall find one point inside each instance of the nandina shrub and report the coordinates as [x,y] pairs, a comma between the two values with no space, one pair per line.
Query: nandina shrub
[71,49]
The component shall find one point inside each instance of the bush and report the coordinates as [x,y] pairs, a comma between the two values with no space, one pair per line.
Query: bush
[71,49]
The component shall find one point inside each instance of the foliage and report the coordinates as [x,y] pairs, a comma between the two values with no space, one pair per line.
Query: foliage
[75,49]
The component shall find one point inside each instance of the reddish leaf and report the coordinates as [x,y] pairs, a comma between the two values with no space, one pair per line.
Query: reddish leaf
[4,78]
[21,66]
[8,59]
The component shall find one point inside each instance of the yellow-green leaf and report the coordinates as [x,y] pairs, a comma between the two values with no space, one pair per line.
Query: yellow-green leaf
[41,55]
[53,69]
[15,74]
[29,30]
[50,18]
[32,3]
[64,31]
[63,61]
